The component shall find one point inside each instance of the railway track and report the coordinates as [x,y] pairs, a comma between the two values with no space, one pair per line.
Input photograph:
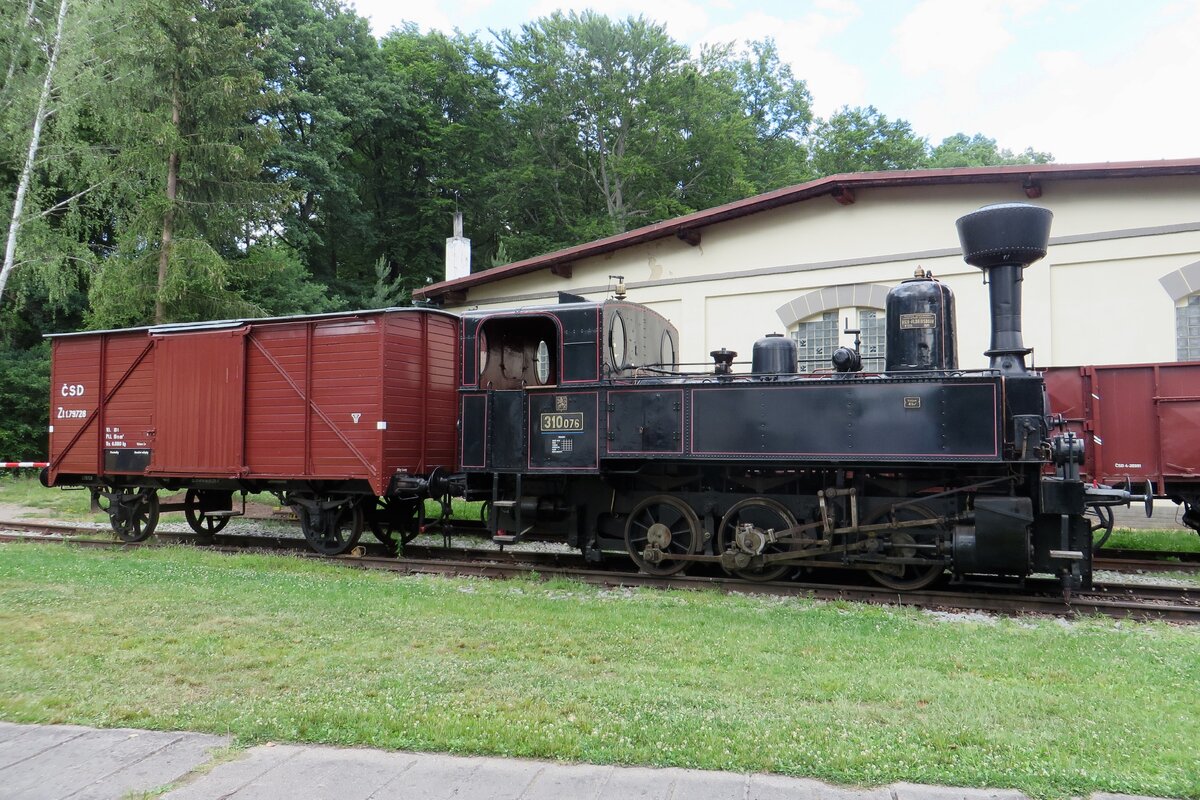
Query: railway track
[1125,601]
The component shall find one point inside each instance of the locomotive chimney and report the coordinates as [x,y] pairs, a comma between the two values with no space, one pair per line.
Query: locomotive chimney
[1003,240]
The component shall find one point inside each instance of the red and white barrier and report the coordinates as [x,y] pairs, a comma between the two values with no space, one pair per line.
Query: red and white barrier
[23,464]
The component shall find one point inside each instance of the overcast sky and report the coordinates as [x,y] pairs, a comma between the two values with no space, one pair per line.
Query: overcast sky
[1087,80]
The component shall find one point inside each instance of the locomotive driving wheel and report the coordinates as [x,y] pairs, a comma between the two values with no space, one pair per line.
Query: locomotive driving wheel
[331,528]
[132,513]
[745,532]
[203,524]
[658,528]
[907,543]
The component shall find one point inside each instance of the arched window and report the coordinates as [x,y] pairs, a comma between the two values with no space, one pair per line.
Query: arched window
[1181,286]
[816,339]
[818,336]
[816,321]
[1187,329]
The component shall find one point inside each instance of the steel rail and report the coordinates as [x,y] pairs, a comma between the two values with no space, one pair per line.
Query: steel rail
[1113,600]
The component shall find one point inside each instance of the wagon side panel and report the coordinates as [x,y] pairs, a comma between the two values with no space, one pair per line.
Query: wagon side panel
[1178,405]
[420,392]
[276,394]
[1070,395]
[127,422]
[441,396]
[75,390]
[346,405]
[199,391]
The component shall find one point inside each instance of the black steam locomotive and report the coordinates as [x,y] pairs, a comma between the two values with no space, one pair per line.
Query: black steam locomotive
[576,421]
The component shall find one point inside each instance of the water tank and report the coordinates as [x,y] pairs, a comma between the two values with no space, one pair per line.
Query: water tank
[920,326]
[774,354]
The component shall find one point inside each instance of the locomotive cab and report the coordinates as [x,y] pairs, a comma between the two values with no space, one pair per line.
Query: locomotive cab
[518,352]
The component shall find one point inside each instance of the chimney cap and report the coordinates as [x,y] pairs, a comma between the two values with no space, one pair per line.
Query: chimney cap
[1004,233]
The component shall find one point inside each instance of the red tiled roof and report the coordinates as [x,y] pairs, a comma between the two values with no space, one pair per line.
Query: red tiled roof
[832,185]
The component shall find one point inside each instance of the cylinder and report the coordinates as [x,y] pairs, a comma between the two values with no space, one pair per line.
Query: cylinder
[774,354]
[920,326]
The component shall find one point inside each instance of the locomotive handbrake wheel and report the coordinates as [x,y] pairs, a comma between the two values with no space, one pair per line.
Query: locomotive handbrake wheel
[1100,518]
[659,527]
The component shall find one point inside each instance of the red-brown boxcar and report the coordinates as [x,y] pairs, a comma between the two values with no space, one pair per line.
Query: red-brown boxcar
[345,416]
[1140,423]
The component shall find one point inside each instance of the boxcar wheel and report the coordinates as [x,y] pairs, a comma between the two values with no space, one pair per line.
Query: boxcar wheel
[204,525]
[659,527]
[133,514]
[332,531]
[394,522]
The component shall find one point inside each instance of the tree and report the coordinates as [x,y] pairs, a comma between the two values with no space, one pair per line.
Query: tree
[449,151]
[598,113]
[24,387]
[864,140]
[780,108]
[324,97]
[35,138]
[960,150]
[177,113]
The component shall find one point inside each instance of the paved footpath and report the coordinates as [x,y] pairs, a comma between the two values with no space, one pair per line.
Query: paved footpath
[48,762]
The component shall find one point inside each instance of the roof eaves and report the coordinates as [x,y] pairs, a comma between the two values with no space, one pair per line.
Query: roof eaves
[822,186]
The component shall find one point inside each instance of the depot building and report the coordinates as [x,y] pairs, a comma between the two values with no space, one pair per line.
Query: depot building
[1120,284]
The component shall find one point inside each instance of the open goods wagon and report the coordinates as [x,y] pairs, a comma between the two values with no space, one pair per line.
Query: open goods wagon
[1140,424]
[346,417]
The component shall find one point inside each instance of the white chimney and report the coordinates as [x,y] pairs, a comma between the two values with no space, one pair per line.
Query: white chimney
[458,251]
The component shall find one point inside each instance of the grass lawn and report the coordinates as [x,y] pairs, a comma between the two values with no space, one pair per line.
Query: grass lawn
[278,648]
[1184,541]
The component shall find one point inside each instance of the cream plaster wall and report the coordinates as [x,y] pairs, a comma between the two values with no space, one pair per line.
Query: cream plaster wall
[1087,302]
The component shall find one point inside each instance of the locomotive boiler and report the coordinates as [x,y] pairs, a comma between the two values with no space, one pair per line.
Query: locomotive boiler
[576,420]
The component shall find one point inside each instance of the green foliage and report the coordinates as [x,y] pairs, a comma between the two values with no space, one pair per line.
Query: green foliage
[447,151]
[864,140]
[960,150]
[316,164]
[271,277]
[599,118]
[197,287]
[180,98]
[323,98]
[1183,541]
[24,389]
[389,290]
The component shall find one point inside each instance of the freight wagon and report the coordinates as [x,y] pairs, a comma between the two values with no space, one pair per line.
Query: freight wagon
[1140,424]
[349,418]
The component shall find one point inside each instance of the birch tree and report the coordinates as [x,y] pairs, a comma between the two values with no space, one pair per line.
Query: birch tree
[26,177]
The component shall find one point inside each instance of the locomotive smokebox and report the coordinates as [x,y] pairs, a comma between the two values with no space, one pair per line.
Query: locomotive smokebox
[920,326]
[1003,240]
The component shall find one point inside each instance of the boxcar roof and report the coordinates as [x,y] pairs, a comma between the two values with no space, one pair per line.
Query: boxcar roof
[216,324]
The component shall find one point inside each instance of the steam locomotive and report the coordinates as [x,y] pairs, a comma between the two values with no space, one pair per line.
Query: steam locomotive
[574,420]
